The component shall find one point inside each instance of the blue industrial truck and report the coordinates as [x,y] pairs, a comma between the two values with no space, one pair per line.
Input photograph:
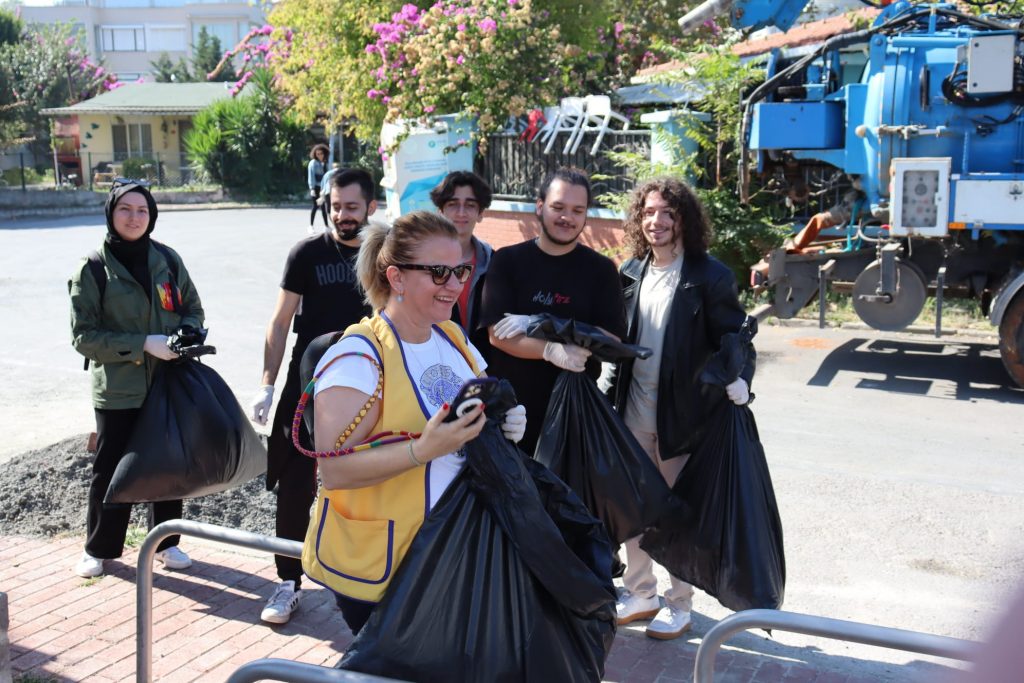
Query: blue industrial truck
[920,118]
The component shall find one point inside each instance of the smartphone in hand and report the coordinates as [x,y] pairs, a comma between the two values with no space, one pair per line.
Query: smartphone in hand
[474,392]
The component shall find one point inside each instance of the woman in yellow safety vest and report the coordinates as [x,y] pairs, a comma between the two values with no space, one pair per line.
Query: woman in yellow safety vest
[390,378]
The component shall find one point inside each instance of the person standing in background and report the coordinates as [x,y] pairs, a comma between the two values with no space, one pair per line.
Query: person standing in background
[679,303]
[315,171]
[462,197]
[553,274]
[320,292]
[125,301]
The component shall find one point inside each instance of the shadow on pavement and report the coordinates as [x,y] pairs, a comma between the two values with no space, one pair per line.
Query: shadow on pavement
[240,596]
[973,370]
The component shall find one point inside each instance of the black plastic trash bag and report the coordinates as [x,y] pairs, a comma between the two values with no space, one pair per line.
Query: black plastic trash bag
[508,579]
[587,445]
[568,331]
[192,438]
[725,537]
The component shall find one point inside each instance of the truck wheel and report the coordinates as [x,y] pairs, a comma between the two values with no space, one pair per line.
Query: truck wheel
[1011,339]
[907,302]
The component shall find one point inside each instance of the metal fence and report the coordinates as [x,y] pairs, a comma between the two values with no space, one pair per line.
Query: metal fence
[514,168]
[95,171]
[838,629]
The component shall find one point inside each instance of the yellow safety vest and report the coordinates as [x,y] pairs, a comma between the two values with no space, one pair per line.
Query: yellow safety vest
[357,537]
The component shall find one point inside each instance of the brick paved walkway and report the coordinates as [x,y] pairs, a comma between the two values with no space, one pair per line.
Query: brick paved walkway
[206,624]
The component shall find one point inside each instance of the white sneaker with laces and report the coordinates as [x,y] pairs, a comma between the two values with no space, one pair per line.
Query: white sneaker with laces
[174,558]
[630,608]
[669,623]
[89,567]
[282,603]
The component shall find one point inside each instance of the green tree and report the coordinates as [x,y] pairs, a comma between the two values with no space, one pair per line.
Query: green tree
[206,55]
[166,71]
[48,67]
[743,232]
[251,142]
[10,27]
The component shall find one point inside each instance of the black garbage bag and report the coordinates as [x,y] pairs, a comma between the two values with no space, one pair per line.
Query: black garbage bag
[725,536]
[192,438]
[586,444]
[568,331]
[508,579]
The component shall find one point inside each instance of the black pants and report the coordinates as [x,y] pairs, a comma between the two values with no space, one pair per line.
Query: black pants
[322,208]
[294,474]
[355,612]
[107,525]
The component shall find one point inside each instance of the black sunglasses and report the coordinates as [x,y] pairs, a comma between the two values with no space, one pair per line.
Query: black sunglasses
[120,182]
[441,274]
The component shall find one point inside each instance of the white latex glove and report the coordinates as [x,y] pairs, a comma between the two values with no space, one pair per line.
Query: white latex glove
[156,346]
[313,194]
[514,425]
[566,356]
[260,404]
[511,326]
[738,392]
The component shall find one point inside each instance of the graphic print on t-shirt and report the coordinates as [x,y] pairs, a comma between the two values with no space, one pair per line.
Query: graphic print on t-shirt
[439,384]
[551,299]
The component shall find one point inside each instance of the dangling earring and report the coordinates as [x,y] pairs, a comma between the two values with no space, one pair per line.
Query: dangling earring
[400,298]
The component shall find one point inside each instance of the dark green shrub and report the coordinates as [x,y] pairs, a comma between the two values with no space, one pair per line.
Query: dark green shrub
[246,143]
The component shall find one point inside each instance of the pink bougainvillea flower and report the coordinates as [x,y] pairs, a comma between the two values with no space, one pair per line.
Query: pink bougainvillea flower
[429,109]
[488,25]
[460,60]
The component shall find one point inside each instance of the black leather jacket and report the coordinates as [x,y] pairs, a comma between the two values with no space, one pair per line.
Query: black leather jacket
[705,306]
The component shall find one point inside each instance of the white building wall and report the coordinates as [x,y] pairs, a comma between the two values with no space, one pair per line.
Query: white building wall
[130,34]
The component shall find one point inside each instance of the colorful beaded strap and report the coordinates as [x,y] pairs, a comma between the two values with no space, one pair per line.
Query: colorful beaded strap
[381,439]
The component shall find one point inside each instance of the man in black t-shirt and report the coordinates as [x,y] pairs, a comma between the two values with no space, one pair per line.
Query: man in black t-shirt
[320,292]
[552,274]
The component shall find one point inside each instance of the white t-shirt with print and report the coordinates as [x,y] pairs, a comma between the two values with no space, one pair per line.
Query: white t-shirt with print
[437,369]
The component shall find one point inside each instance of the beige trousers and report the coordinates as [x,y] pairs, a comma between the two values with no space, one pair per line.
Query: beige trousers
[639,576]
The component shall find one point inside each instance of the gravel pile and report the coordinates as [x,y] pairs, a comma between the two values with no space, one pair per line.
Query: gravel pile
[43,493]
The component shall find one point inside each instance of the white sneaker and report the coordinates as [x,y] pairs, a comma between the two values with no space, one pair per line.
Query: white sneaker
[89,566]
[669,623]
[630,608]
[282,603]
[174,558]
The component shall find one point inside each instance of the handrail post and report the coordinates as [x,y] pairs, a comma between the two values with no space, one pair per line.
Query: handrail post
[144,575]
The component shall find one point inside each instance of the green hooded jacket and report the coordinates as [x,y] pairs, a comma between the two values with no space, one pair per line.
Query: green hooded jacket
[112,335]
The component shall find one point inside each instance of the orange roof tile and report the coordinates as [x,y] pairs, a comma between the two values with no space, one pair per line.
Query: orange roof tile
[805,34]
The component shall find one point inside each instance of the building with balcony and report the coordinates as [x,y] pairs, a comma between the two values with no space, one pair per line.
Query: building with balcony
[130,34]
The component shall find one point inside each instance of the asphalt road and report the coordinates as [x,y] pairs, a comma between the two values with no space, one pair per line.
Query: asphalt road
[896,459]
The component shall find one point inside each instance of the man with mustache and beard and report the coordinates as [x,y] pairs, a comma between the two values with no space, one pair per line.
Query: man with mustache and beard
[320,291]
[553,274]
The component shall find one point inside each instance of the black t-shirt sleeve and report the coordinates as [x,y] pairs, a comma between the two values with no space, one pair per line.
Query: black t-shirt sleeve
[498,295]
[611,309]
[295,270]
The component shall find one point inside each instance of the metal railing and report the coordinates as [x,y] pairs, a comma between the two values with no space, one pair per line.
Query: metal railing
[837,629]
[260,669]
[514,168]
[297,672]
[144,575]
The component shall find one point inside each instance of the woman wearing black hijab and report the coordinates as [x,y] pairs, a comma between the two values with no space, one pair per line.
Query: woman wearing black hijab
[122,326]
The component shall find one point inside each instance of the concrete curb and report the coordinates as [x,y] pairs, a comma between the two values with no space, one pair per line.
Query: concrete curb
[63,212]
[924,330]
